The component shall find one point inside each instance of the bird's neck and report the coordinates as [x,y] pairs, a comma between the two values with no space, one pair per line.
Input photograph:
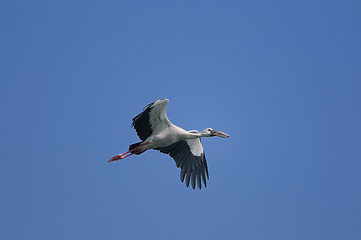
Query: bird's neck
[190,135]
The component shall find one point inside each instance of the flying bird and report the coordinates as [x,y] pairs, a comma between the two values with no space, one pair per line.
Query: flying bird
[157,132]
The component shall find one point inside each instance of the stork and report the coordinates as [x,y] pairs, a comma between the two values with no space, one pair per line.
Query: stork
[157,132]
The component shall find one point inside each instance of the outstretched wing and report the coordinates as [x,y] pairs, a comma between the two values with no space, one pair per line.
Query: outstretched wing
[189,156]
[152,119]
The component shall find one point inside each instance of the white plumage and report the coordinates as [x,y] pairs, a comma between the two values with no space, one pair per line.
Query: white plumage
[157,132]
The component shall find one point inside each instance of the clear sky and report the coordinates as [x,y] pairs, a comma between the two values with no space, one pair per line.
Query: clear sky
[283,78]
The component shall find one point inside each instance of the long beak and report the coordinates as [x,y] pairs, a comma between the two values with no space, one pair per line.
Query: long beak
[220,134]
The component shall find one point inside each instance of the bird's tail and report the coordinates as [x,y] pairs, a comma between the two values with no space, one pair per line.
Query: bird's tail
[134,148]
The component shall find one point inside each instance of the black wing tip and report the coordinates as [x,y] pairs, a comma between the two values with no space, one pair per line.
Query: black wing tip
[194,179]
[194,170]
[148,106]
[141,123]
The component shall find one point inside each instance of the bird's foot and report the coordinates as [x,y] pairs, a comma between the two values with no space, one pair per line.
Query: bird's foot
[116,158]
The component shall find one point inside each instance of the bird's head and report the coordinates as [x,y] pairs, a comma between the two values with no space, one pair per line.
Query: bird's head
[209,132]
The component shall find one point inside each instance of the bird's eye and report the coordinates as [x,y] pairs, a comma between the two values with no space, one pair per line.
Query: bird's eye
[209,129]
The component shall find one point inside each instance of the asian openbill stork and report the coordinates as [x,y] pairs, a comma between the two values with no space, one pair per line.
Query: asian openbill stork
[157,132]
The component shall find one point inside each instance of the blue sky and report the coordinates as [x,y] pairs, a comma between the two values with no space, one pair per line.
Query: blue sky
[281,77]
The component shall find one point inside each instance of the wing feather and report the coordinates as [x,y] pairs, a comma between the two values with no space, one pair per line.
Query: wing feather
[151,119]
[188,155]
[194,177]
[182,175]
[199,182]
[188,177]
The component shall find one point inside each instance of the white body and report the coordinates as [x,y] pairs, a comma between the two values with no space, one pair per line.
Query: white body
[157,132]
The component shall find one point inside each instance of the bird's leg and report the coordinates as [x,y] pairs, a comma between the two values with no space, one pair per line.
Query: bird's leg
[127,154]
[117,157]
[121,156]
